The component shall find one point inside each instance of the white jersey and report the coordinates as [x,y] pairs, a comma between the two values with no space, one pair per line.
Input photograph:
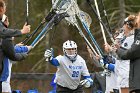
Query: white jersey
[120,78]
[69,73]
[128,42]
[122,66]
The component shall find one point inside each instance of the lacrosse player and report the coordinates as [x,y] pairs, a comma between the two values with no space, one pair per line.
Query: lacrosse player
[132,54]
[121,67]
[70,68]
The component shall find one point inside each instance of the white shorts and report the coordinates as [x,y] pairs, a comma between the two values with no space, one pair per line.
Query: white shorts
[6,87]
[123,73]
[110,82]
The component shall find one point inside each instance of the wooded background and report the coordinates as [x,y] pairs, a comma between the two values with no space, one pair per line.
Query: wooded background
[117,11]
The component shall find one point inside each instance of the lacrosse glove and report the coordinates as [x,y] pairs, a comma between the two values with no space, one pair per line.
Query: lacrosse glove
[86,82]
[48,54]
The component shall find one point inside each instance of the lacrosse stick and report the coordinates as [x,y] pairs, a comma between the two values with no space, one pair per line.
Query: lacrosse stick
[60,7]
[74,10]
[86,21]
[27,11]
[105,13]
[55,20]
[102,29]
[101,22]
[57,8]
[72,20]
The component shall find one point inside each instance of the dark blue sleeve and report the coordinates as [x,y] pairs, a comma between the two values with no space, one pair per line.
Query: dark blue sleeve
[54,62]
[85,77]
[21,49]
[53,84]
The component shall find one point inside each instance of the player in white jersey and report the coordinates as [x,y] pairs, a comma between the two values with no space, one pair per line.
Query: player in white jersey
[122,66]
[126,39]
[70,68]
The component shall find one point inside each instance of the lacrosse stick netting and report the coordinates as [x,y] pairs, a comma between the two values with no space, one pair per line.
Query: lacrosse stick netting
[85,20]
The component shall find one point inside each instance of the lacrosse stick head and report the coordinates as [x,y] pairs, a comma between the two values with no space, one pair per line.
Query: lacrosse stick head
[61,6]
[74,11]
[84,17]
[71,20]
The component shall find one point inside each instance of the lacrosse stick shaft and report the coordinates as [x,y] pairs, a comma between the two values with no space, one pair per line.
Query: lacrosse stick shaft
[47,18]
[42,33]
[88,43]
[29,36]
[54,21]
[105,13]
[100,52]
[27,11]
[102,29]
[99,19]
[81,15]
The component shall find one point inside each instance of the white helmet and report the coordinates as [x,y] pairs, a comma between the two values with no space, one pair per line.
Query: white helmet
[70,49]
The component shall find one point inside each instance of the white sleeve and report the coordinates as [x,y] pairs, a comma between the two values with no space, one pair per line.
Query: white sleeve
[85,71]
[59,58]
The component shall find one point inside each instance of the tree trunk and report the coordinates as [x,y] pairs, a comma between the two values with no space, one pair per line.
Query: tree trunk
[122,11]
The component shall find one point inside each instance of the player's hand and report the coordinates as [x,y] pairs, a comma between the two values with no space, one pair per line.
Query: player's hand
[26,29]
[48,54]
[107,47]
[86,82]
[29,47]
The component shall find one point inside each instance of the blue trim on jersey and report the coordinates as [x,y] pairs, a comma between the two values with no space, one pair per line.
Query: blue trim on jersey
[5,72]
[85,77]
[54,62]
[53,84]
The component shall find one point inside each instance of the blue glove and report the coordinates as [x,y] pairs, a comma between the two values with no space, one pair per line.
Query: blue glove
[110,66]
[86,82]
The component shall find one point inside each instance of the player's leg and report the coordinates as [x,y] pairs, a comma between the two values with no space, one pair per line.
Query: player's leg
[79,89]
[124,90]
[60,89]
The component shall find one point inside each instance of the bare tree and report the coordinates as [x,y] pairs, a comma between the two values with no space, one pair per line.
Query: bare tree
[122,11]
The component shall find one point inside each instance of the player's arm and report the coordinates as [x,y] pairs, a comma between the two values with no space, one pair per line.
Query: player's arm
[54,62]
[87,81]
[132,53]
[21,49]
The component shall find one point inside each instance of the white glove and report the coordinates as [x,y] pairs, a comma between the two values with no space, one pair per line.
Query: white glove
[86,82]
[48,55]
